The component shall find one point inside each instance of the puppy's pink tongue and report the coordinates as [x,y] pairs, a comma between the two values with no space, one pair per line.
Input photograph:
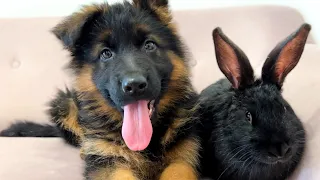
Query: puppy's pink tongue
[136,127]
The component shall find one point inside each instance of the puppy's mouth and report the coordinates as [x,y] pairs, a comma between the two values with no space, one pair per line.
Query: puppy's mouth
[151,107]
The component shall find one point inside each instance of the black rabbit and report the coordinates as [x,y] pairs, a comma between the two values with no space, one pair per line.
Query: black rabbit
[250,131]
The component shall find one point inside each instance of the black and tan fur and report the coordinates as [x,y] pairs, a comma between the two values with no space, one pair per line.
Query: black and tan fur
[91,117]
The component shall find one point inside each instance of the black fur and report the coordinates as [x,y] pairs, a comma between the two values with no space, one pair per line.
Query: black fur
[250,132]
[30,129]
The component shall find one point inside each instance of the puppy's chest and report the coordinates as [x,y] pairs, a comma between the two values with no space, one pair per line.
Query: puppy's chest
[145,164]
[103,140]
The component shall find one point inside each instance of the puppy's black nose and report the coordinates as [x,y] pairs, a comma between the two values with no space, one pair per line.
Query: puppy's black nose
[134,84]
[279,150]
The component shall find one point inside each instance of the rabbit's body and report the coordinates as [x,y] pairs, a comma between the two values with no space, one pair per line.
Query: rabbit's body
[234,147]
[250,132]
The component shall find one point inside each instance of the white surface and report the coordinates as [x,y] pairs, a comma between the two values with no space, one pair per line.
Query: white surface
[34,8]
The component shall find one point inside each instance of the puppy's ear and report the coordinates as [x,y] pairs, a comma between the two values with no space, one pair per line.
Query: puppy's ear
[232,61]
[285,56]
[159,8]
[69,30]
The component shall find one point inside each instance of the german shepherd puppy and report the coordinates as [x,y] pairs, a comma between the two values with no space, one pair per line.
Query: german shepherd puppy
[131,106]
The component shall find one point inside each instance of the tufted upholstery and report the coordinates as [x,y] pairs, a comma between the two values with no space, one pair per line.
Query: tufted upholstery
[32,62]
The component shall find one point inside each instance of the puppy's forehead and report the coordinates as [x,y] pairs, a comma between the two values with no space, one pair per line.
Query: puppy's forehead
[128,23]
[124,18]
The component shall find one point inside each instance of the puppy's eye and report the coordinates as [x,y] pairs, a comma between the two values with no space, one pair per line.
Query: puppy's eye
[249,117]
[150,46]
[106,55]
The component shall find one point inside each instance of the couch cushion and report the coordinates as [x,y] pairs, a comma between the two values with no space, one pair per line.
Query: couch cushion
[39,159]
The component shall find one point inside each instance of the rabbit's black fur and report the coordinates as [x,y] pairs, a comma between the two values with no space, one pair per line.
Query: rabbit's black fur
[251,132]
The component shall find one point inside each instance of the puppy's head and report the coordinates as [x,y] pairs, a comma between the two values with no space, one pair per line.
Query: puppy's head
[126,56]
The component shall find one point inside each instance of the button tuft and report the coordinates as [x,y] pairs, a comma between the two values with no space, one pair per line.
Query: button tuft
[15,64]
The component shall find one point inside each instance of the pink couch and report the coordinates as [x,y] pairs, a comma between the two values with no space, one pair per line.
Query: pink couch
[31,69]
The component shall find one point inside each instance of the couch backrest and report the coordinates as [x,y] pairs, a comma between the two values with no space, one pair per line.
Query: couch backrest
[32,59]
[256,30]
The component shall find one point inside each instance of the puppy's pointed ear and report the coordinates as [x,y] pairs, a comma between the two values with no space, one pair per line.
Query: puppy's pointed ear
[285,56]
[159,8]
[232,61]
[69,30]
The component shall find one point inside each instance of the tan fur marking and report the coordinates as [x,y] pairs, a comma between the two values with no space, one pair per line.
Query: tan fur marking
[180,69]
[176,86]
[105,34]
[142,27]
[164,14]
[84,82]
[89,91]
[109,174]
[166,18]
[97,50]
[183,161]
[136,3]
[123,174]
[145,28]
[157,39]
[173,27]
[71,121]
[186,151]
[101,174]
[99,45]
[179,171]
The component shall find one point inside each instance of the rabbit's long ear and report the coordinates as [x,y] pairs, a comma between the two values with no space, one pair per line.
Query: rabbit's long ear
[285,56]
[232,61]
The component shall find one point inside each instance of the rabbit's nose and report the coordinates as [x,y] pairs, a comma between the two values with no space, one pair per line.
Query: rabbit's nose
[279,150]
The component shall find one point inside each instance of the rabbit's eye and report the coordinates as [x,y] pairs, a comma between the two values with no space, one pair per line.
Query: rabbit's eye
[249,117]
